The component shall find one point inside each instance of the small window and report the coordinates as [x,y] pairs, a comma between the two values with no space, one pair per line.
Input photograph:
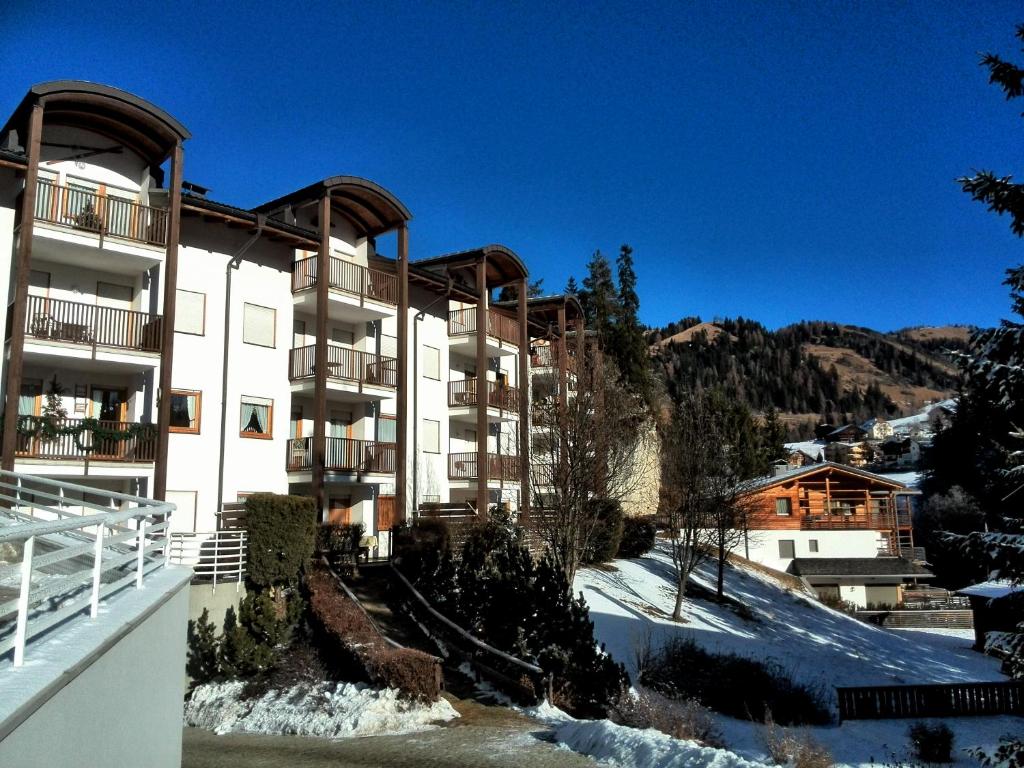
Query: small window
[431,363]
[342,336]
[387,429]
[812,545]
[258,325]
[190,312]
[784,507]
[185,410]
[431,436]
[388,345]
[257,417]
[787,548]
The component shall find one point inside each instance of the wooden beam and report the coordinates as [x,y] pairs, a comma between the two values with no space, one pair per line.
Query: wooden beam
[163,410]
[402,447]
[323,264]
[524,402]
[23,264]
[482,497]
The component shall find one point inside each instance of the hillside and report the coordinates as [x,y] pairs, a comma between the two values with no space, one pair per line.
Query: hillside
[811,371]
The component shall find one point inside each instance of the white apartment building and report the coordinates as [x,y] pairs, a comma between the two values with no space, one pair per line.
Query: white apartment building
[161,343]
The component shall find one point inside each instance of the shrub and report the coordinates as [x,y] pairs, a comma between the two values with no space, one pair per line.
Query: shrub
[680,719]
[281,532]
[637,537]
[202,664]
[337,541]
[355,646]
[607,533]
[239,655]
[1009,754]
[931,743]
[795,749]
[733,685]
[420,546]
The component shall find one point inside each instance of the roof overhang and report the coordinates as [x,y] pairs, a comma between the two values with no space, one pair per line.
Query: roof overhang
[133,122]
[370,208]
[503,265]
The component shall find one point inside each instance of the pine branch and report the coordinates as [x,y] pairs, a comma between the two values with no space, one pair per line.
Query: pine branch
[1000,194]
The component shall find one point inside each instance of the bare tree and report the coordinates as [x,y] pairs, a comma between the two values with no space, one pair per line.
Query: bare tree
[586,442]
[701,498]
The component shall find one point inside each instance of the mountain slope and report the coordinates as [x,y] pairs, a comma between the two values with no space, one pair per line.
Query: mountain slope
[810,371]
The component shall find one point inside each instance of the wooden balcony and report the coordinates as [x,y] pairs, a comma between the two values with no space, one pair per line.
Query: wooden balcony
[547,357]
[353,279]
[464,393]
[463,466]
[91,325]
[838,521]
[81,439]
[499,326]
[344,364]
[106,215]
[343,455]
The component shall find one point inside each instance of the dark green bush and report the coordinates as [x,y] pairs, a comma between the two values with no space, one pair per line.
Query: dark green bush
[282,531]
[931,743]
[336,542]
[607,533]
[733,685]
[202,665]
[637,537]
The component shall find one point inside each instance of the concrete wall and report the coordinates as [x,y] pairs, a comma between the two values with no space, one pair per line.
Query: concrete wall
[764,545]
[123,709]
[644,491]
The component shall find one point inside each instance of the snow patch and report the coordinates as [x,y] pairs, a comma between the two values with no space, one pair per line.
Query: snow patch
[329,710]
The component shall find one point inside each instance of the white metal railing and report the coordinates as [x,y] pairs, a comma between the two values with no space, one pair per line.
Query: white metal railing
[216,556]
[65,547]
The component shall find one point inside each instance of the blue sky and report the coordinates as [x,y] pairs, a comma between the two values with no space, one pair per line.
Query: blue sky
[780,161]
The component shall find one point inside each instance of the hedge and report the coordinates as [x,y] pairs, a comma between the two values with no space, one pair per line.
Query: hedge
[637,537]
[607,533]
[282,531]
[352,640]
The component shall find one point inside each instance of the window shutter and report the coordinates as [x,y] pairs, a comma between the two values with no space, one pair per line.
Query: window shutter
[258,325]
[190,312]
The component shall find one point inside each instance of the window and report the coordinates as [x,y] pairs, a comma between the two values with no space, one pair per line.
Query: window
[431,436]
[812,545]
[257,417]
[190,312]
[185,410]
[787,548]
[298,333]
[431,363]
[387,429]
[258,325]
[388,345]
[342,336]
[784,507]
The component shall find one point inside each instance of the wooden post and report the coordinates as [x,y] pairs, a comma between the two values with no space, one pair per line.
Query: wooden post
[402,447]
[524,401]
[563,352]
[23,261]
[163,410]
[323,296]
[481,387]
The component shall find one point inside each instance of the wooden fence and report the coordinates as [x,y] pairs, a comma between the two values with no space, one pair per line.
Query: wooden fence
[949,619]
[946,700]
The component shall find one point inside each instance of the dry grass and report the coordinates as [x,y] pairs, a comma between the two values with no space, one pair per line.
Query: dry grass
[794,748]
[642,708]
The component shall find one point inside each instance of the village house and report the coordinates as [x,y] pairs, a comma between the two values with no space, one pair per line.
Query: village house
[847,532]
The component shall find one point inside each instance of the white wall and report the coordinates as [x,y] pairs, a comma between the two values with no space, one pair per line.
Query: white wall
[764,545]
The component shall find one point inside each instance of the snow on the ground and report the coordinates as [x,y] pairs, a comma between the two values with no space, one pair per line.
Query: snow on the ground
[909,479]
[619,745]
[813,448]
[817,645]
[329,710]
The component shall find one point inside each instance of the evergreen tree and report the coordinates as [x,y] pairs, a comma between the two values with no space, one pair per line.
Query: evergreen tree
[534,288]
[630,348]
[599,298]
[202,664]
[571,288]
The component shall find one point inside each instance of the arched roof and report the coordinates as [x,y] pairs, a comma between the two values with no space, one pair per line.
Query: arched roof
[372,209]
[503,265]
[139,125]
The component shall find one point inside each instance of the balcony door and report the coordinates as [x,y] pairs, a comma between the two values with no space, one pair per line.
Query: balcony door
[109,405]
[339,511]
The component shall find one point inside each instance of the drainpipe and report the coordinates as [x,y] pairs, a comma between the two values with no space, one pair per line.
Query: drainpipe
[233,264]
[415,388]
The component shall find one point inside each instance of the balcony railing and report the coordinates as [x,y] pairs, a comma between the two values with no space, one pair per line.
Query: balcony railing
[854,521]
[108,215]
[215,556]
[79,439]
[92,325]
[343,455]
[463,393]
[463,466]
[547,357]
[345,364]
[462,321]
[350,278]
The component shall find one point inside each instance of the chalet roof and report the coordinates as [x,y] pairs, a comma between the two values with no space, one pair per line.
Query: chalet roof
[212,209]
[858,566]
[845,428]
[503,264]
[791,474]
[992,589]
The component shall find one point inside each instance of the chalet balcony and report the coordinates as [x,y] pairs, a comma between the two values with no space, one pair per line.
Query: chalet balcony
[357,293]
[502,332]
[502,400]
[80,439]
[463,466]
[343,455]
[351,374]
[856,521]
[106,215]
[545,357]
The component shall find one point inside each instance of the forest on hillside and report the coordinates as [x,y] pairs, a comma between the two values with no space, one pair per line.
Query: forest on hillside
[765,369]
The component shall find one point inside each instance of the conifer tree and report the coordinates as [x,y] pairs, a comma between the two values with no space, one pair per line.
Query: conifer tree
[202,665]
[629,348]
[599,298]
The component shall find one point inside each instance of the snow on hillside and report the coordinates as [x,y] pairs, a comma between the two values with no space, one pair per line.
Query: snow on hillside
[820,647]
